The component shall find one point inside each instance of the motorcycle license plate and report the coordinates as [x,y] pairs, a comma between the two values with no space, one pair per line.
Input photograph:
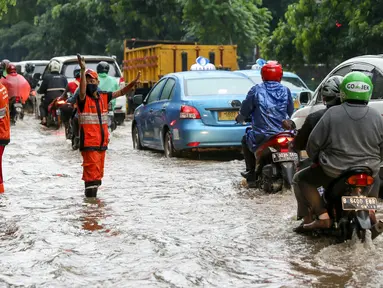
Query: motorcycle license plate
[18,105]
[359,203]
[58,112]
[284,157]
[111,113]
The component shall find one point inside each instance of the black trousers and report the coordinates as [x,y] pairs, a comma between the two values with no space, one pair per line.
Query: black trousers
[249,155]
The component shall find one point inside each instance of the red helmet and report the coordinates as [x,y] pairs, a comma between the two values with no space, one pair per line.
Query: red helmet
[11,69]
[272,71]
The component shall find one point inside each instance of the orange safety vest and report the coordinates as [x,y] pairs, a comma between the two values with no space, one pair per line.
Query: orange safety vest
[5,124]
[93,120]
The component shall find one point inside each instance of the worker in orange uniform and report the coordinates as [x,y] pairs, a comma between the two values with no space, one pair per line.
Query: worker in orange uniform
[5,125]
[93,119]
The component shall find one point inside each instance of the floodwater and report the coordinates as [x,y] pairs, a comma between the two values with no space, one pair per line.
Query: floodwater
[157,223]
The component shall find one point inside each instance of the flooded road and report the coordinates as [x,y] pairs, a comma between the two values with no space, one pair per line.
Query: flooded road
[157,223]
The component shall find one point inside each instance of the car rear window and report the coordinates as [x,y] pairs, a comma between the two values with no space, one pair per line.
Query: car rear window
[40,69]
[289,82]
[69,67]
[216,86]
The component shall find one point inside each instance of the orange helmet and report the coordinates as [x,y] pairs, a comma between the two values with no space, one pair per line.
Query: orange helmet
[91,73]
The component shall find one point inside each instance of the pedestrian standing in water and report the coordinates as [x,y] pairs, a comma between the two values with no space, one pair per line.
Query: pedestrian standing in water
[5,125]
[93,119]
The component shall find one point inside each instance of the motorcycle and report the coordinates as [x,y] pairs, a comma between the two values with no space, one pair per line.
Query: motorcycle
[16,109]
[29,105]
[112,123]
[54,113]
[277,163]
[348,205]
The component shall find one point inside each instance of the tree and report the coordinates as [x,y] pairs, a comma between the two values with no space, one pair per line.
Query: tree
[278,9]
[328,32]
[240,22]
[4,4]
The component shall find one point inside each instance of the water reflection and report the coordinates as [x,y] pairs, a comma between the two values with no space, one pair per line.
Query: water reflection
[92,213]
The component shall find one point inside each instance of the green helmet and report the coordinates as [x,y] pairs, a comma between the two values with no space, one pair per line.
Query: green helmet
[356,86]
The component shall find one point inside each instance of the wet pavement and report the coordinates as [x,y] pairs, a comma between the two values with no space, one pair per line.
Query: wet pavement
[157,223]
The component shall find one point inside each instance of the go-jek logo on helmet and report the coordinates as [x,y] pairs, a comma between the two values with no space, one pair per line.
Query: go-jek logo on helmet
[358,87]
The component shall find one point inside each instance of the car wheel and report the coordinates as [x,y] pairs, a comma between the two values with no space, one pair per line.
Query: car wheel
[168,146]
[136,139]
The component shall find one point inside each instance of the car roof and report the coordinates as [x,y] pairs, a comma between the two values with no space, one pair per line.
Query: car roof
[376,60]
[44,62]
[73,58]
[252,72]
[206,74]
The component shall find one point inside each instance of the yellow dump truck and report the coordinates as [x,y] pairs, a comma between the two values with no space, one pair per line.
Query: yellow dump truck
[157,58]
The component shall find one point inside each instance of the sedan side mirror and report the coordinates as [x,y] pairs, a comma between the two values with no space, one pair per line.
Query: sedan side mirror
[138,99]
[305,97]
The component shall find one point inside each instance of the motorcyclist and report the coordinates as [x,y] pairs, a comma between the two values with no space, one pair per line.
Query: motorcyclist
[330,92]
[52,87]
[268,104]
[28,75]
[16,86]
[72,88]
[5,63]
[347,135]
[107,83]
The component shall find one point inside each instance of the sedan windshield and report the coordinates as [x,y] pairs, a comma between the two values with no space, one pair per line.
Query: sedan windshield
[217,86]
[289,82]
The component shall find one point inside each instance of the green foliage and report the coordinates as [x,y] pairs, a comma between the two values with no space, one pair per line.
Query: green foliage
[4,4]
[57,27]
[330,32]
[241,22]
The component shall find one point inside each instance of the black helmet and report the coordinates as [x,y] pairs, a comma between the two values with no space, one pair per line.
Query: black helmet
[102,67]
[29,67]
[76,71]
[331,91]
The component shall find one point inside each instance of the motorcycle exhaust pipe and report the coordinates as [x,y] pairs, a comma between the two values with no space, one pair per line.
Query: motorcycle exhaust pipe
[377,229]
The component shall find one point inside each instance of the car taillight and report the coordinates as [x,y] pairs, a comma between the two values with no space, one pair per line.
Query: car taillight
[360,180]
[189,112]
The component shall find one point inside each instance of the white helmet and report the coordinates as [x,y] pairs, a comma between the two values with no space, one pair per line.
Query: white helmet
[55,66]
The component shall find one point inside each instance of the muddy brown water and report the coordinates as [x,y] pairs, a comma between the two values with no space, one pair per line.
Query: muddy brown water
[157,223]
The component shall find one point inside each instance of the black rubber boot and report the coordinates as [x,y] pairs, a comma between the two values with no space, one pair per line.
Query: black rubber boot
[91,192]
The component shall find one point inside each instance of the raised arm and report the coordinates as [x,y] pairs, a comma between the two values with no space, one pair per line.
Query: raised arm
[81,62]
[127,88]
